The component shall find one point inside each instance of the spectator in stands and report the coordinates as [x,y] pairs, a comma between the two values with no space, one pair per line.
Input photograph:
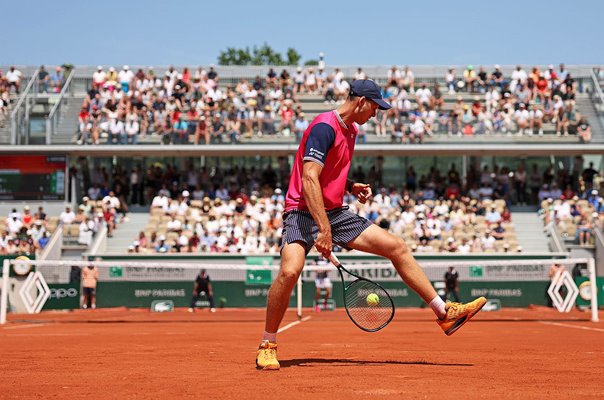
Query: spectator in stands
[98,78]
[67,218]
[470,79]
[300,125]
[57,80]
[584,130]
[43,80]
[13,77]
[584,231]
[117,132]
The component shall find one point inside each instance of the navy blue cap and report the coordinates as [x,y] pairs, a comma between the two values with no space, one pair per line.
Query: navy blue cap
[371,90]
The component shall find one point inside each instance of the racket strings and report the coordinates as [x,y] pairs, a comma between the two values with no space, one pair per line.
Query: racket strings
[366,315]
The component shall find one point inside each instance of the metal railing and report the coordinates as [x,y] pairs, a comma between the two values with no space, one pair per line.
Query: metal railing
[53,248]
[597,96]
[53,118]
[555,242]
[19,117]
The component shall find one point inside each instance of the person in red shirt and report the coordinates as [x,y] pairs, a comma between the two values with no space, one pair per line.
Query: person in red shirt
[27,218]
[287,116]
[315,216]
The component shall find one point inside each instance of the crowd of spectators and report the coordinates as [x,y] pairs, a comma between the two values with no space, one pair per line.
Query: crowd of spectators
[50,82]
[183,106]
[575,212]
[519,104]
[25,232]
[241,224]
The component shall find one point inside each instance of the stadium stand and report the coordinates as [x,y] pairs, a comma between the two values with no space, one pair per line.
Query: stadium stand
[25,232]
[182,107]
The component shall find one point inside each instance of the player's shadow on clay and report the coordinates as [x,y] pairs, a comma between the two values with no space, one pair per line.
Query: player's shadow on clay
[309,362]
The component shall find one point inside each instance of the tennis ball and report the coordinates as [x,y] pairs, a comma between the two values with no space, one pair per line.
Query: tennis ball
[373,300]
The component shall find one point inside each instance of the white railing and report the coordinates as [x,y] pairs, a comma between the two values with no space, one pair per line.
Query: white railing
[555,240]
[53,118]
[19,117]
[53,248]
[99,243]
[597,94]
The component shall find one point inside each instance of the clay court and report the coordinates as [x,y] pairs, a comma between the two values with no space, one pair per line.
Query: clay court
[515,353]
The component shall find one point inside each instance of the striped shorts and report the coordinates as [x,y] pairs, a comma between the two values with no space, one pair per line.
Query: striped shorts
[299,226]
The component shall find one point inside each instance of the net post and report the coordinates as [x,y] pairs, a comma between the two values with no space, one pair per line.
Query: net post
[299,296]
[4,297]
[591,266]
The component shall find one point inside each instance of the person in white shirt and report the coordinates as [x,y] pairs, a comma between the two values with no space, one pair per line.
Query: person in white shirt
[98,78]
[160,201]
[86,230]
[174,225]
[536,120]
[13,77]
[408,79]
[394,74]
[67,218]
[14,225]
[521,117]
[519,77]
[132,129]
[464,247]
[488,241]
[125,78]
[423,95]
[418,129]
[360,74]
[117,132]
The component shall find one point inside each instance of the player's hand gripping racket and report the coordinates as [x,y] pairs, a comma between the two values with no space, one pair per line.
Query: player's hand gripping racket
[368,304]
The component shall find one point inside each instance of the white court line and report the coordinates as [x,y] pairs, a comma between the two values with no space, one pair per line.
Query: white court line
[292,324]
[23,326]
[587,328]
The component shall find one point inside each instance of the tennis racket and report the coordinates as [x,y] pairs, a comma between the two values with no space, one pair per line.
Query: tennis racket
[368,305]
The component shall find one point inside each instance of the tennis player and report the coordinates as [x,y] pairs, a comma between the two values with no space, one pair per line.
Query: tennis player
[315,216]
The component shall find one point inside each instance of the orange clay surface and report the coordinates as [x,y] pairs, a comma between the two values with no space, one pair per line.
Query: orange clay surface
[134,354]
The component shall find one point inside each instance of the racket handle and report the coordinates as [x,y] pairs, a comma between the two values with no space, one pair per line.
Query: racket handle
[334,260]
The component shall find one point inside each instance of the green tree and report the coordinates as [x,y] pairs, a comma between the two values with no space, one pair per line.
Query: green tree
[233,56]
[293,57]
[311,62]
[263,55]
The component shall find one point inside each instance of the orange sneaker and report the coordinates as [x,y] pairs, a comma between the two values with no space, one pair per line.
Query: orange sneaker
[458,314]
[266,358]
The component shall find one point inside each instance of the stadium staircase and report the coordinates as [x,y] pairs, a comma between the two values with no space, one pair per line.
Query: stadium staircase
[127,232]
[68,122]
[586,107]
[529,232]
[6,127]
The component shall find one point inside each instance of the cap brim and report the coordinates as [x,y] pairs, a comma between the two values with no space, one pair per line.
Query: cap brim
[383,105]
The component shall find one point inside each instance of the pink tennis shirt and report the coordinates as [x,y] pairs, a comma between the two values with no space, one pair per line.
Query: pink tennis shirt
[328,142]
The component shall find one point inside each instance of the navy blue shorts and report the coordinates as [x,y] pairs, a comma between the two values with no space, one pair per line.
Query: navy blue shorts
[299,226]
[88,291]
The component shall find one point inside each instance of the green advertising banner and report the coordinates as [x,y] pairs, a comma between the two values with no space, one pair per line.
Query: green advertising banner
[63,297]
[246,294]
[584,298]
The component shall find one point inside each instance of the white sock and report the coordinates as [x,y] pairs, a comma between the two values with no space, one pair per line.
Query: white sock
[438,306]
[271,337]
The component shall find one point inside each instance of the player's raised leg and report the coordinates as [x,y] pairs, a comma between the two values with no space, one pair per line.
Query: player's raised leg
[451,316]
[292,263]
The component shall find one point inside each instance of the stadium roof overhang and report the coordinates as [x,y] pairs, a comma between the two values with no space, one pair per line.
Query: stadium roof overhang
[512,150]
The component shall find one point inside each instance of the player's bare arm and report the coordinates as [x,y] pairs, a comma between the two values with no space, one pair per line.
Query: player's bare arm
[314,199]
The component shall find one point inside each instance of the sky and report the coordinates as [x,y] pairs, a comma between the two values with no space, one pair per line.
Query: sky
[425,32]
